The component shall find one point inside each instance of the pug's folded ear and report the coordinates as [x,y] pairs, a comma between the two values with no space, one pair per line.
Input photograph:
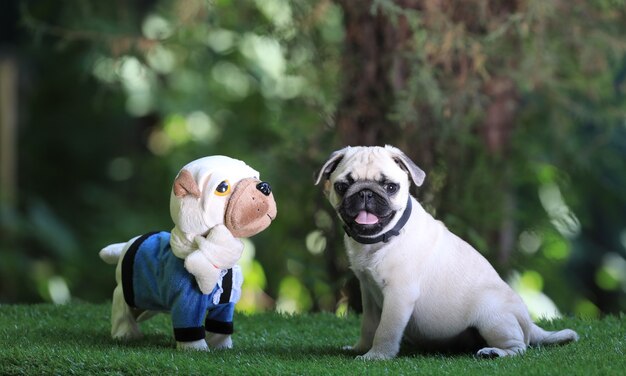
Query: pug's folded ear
[405,163]
[330,165]
[185,185]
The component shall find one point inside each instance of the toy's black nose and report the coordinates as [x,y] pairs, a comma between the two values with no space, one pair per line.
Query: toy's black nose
[264,187]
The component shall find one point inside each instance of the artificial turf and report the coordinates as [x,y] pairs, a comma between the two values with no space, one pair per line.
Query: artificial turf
[74,339]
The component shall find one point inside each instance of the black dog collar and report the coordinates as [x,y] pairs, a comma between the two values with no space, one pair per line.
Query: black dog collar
[395,231]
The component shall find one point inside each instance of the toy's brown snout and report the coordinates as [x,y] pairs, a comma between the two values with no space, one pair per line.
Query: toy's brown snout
[250,209]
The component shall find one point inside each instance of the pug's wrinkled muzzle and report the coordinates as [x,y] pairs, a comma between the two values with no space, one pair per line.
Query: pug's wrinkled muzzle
[250,209]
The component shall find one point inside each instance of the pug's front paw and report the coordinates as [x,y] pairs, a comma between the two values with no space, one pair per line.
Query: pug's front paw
[357,349]
[220,247]
[375,355]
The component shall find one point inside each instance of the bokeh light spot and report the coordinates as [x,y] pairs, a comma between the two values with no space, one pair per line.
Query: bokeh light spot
[293,297]
[316,242]
[201,127]
[161,59]
[156,27]
[587,309]
[58,290]
[529,242]
[221,41]
[233,79]
[120,169]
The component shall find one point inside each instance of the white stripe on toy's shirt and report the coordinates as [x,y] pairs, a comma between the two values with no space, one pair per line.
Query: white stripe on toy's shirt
[235,294]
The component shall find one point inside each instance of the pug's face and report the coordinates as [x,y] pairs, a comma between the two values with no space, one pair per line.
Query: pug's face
[369,187]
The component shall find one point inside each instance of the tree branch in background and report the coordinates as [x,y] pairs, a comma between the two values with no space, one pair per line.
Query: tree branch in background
[117,44]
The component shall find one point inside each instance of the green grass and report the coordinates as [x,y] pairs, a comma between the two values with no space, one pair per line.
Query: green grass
[74,339]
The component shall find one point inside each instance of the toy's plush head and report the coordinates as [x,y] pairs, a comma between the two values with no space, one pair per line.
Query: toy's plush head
[221,190]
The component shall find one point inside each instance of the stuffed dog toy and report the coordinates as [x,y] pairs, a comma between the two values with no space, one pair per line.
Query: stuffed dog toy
[419,281]
[192,272]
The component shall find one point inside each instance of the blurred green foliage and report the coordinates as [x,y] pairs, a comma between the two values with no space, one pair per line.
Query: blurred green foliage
[114,97]
[117,98]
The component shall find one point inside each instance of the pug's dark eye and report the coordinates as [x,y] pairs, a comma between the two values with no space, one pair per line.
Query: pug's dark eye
[390,188]
[341,188]
[223,188]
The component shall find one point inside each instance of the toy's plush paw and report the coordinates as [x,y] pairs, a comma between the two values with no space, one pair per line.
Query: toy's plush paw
[220,247]
[203,270]
[199,345]
[220,234]
[126,334]
[219,341]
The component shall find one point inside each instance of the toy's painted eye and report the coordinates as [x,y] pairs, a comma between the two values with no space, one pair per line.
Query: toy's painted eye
[223,188]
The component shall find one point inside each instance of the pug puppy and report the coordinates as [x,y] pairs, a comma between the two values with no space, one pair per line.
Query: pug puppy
[419,282]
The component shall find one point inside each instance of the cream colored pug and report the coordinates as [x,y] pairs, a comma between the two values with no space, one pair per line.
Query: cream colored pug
[192,272]
[419,282]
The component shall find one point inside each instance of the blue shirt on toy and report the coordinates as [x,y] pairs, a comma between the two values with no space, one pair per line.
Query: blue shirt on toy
[154,279]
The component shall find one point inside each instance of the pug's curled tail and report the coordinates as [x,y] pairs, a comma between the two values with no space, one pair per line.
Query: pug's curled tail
[111,253]
[539,336]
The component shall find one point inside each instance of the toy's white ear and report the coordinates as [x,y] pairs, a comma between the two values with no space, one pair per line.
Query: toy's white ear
[185,185]
[186,207]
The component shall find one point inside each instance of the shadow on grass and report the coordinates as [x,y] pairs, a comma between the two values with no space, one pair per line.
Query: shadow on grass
[258,335]
[326,351]
[100,339]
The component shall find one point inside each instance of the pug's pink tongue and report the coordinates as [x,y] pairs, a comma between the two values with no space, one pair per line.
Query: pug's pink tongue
[365,218]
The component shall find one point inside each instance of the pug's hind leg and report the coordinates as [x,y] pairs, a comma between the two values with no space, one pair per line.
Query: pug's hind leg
[505,338]
[123,323]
